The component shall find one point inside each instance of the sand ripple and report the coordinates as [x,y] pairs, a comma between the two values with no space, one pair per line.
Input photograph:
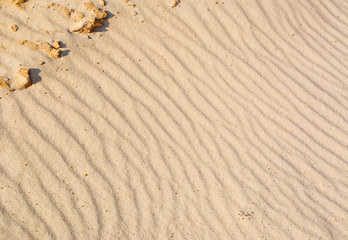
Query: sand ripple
[204,121]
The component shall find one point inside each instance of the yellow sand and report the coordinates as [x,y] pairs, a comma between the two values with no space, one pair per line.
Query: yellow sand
[204,121]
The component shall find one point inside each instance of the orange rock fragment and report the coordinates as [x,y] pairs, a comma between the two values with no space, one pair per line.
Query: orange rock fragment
[176,3]
[5,83]
[14,28]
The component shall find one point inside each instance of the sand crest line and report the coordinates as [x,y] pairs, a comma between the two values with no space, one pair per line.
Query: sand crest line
[208,120]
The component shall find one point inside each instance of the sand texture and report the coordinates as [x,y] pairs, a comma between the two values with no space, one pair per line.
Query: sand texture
[191,119]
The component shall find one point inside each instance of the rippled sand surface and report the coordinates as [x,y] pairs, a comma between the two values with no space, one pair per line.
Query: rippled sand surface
[210,120]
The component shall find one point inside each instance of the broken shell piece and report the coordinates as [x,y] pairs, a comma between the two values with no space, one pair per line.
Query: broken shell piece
[5,83]
[21,80]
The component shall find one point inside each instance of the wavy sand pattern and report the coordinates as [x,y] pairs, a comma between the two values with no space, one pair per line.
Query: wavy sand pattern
[203,121]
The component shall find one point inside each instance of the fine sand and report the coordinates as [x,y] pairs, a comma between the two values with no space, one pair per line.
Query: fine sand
[197,119]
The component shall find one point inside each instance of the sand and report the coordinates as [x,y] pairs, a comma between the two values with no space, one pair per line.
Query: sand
[207,120]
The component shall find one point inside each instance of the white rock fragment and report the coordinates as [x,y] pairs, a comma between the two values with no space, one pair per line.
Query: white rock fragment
[21,80]
[86,25]
[95,19]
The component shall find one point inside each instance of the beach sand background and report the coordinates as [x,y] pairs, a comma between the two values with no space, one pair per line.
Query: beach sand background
[210,120]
